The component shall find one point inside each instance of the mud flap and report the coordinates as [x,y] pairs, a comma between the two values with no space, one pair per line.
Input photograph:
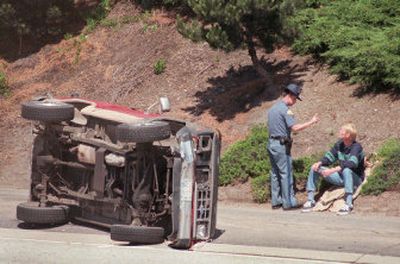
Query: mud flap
[215,154]
[186,185]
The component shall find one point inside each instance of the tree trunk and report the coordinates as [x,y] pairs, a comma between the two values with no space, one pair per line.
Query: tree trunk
[256,62]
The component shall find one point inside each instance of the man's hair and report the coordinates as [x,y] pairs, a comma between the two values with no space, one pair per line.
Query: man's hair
[350,128]
[287,92]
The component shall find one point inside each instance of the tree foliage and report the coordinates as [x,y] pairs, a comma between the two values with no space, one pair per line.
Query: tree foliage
[225,24]
[359,39]
[28,24]
[230,25]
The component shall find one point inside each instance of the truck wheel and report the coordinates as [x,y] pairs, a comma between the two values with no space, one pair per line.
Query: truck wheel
[47,111]
[137,234]
[31,213]
[143,132]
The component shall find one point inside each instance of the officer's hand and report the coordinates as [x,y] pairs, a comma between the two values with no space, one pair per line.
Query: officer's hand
[315,119]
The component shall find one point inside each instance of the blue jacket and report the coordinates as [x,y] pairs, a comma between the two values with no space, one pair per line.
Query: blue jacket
[351,157]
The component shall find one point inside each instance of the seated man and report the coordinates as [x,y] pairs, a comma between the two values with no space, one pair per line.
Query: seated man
[349,173]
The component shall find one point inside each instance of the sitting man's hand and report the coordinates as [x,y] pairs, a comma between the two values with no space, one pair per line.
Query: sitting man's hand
[367,163]
[327,172]
[316,166]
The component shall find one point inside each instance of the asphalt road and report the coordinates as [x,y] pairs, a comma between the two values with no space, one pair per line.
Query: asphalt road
[318,231]
[244,231]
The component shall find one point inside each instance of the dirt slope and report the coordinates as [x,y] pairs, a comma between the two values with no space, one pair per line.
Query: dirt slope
[207,86]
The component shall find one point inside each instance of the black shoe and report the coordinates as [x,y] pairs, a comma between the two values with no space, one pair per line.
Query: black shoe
[278,206]
[296,207]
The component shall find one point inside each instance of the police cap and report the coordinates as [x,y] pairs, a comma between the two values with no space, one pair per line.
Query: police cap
[294,89]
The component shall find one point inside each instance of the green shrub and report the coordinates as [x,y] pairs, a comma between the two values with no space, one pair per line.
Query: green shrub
[359,40]
[302,166]
[111,23]
[389,148]
[4,89]
[191,30]
[386,176]
[68,36]
[152,27]
[160,66]
[246,158]
[91,25]
[260,188]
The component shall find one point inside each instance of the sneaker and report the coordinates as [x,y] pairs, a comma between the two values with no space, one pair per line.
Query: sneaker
[308,206]
[345,210]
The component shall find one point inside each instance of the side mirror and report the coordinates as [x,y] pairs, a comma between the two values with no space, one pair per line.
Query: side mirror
[165,105]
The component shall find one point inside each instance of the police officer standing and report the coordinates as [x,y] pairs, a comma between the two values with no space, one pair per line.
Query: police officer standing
[281,123]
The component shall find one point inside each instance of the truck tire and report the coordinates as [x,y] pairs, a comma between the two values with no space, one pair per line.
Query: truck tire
[137,234]
[47,111]
[31,213]
[143,132]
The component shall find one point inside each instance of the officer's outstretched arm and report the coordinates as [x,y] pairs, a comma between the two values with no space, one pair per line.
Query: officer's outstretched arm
[299,127]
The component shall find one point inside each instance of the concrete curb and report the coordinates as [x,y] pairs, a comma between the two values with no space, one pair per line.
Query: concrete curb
[301,254]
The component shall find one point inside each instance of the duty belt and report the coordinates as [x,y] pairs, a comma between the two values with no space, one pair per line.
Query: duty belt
[286,141]
[279,137]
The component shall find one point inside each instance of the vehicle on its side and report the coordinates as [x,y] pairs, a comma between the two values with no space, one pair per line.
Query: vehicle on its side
[145,176]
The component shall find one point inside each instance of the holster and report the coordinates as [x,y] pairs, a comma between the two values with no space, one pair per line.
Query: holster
[288,144]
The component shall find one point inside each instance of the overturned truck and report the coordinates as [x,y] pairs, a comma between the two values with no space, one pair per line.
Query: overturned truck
[144,176]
